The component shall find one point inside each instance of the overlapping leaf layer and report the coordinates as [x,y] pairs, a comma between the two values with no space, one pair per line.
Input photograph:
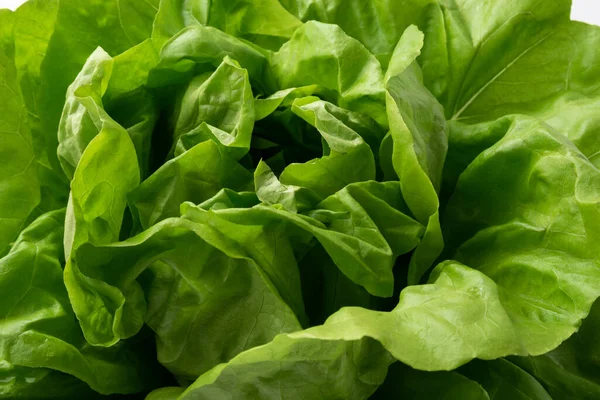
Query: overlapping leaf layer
[299,199]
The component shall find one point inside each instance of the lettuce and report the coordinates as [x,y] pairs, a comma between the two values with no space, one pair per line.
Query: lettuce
[298,199]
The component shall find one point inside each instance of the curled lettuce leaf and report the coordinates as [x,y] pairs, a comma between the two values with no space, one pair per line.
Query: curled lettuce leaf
[419,145]
[488,312]
[41,344]
[322,54]
[264,22]
[219,107]
[194,296]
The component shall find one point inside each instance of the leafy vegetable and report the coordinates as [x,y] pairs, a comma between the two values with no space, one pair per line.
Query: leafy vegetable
[263,199]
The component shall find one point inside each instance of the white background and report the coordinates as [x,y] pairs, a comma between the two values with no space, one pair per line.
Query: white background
[583,10]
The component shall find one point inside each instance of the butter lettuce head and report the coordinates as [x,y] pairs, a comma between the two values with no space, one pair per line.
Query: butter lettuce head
[298,199]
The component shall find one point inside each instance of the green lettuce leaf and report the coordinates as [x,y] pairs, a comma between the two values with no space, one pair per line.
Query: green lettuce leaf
[18,179]
[404,382]
[198,282]
[218,107]
[571,370]
[33,29]
[419,144]
[472,314]
[196,175]
[198,48]
[43,351]
[78,31]
[523,242]
[285,198]
[348,158]
[264,22]
[322,54]
[378,24]
[300,367]
[504,380]
[95,215]
[476,63]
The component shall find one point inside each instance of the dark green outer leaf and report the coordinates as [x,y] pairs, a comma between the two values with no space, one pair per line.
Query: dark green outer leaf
[504,380]
[35,345]
[299,368]
[19,182]
[403,382]
[34,26]
[571,370]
